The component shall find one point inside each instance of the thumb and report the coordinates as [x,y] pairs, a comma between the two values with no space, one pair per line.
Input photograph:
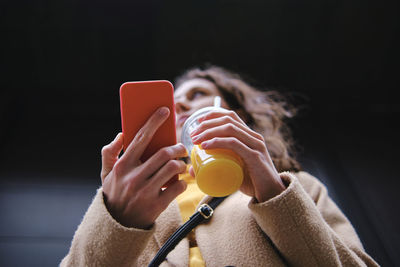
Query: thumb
[191,171]
[109,155]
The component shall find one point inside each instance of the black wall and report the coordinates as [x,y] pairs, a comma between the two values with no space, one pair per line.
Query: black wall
[63,62]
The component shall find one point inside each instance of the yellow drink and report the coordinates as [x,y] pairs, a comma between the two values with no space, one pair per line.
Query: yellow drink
[218,172]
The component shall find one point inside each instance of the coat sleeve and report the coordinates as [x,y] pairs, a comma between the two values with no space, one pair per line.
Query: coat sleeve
[306,226]
[102,241]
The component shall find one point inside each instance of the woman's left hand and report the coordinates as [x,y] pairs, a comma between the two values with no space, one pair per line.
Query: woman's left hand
[225,129]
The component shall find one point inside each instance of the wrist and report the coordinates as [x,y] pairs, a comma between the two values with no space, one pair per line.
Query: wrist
[273,189]
[125,221]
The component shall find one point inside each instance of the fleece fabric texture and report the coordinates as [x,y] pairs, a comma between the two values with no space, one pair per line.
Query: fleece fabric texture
[300,227]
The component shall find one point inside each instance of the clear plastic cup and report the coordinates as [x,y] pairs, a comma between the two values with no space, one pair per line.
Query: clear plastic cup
[218,172]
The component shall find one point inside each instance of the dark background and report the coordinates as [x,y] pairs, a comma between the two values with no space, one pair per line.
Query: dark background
[62,63]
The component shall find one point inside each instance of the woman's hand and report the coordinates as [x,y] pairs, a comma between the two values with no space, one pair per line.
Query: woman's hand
[225,129]
[132,189]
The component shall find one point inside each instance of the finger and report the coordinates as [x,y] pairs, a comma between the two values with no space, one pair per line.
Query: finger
[172,191]
[191,171]
[233,144]
[230,130]
[166,172]
[109,155]
[144,136]
[160,158]
[210,123]
[220,113]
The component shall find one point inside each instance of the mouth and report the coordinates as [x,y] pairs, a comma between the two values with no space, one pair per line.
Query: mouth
[181,120]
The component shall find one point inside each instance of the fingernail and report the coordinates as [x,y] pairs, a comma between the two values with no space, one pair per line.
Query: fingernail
[183,147]
[195,139]
[163,111]
[204,145]
[193,133]
[117,137]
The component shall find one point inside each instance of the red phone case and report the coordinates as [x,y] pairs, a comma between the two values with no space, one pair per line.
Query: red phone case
[139,100]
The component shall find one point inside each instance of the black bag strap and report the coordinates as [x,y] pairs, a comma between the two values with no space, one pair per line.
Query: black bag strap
[204,212]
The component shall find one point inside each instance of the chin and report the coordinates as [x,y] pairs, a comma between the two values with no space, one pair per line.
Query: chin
[178,135]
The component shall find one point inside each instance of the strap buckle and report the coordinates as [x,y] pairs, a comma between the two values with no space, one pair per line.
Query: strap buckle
[205,210]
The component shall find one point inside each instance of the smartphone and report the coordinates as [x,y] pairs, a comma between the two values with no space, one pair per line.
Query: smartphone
[138,101]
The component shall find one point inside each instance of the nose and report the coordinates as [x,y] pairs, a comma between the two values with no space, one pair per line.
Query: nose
[181,106]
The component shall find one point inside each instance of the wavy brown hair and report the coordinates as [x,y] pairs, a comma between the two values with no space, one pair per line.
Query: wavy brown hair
[263,111]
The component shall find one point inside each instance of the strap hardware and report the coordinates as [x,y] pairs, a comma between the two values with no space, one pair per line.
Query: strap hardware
[206,211]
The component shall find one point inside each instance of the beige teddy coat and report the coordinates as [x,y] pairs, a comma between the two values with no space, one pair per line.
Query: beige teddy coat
[300,227]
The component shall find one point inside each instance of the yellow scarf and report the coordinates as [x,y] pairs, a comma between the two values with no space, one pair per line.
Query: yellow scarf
[188,202]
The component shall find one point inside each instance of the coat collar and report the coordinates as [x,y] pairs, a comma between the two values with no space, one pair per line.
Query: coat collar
[166,224]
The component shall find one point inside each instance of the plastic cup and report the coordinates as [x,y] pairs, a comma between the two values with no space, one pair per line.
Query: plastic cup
[218,172]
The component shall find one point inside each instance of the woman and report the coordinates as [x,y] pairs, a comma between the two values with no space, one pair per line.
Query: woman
[280,216]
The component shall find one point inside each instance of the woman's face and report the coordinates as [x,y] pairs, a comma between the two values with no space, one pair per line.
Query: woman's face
[191,96]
